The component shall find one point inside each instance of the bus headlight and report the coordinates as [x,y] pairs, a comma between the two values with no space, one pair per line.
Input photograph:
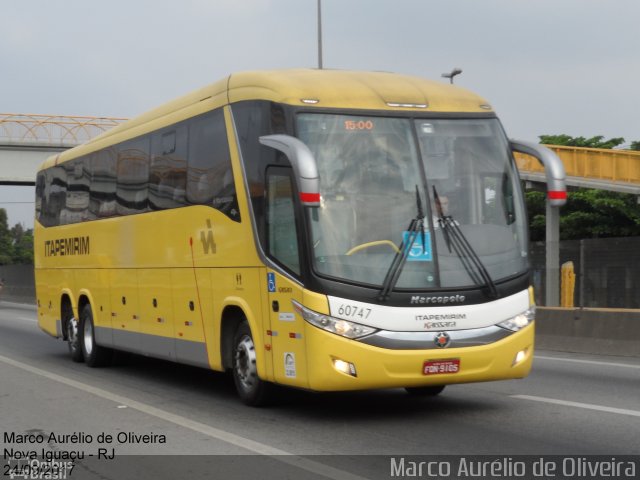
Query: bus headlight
[338,326]
[519,321]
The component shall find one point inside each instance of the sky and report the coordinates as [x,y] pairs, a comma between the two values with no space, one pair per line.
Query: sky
[546,66]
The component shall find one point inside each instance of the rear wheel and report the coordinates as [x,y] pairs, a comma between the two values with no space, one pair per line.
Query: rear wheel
[94,354]
[73,339]
[425,391]
[251,389]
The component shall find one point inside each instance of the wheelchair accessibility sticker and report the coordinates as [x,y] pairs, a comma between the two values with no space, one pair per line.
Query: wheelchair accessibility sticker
[419,252]
[271,281]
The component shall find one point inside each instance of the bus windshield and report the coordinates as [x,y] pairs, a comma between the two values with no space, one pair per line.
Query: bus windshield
[379,174]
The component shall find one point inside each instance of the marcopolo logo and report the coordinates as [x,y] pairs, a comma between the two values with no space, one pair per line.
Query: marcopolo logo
[420,300]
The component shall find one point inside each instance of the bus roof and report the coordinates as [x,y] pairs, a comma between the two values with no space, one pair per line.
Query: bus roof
[350,89]
[301,87]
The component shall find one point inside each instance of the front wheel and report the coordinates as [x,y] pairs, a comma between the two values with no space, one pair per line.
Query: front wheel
[94,354]
[251,389]
[425,391]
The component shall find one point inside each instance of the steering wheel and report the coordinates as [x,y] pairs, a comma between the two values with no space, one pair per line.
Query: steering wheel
[375,243]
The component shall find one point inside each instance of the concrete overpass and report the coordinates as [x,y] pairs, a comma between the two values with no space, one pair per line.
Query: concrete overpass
[27,140]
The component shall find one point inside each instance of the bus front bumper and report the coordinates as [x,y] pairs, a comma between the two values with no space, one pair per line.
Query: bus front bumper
[336,363]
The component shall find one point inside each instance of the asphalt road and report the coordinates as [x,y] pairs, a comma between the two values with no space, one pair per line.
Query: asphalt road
[570,405]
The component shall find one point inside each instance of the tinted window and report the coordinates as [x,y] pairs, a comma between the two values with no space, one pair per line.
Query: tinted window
[168,168]
[55,193]
[77,198]
[103,183]
[254,119]
[209,175]
[40,186]
[133,175]
[281,223]
[185,164]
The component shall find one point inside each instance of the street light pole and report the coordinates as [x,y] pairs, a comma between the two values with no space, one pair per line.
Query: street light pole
[320,34]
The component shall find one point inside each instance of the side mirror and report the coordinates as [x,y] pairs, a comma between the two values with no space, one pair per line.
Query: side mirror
[303,163]
[553,168]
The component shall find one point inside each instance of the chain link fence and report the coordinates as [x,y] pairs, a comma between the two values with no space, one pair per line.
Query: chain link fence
[17,284]
[607,271]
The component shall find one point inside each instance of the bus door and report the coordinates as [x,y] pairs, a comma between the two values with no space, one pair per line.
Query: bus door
[286,329]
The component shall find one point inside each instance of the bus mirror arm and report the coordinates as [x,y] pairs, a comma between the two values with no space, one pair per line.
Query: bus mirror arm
[553,167]
[304,166]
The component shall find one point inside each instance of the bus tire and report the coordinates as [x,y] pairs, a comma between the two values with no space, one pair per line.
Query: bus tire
[94,354]
[251,389]
[73,339]
[425,391]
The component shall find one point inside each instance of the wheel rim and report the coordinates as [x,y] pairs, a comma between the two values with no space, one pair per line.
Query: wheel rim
[88,336]
[245,363]
[72,333]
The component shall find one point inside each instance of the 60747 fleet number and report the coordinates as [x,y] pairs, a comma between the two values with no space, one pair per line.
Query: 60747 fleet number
[354,311]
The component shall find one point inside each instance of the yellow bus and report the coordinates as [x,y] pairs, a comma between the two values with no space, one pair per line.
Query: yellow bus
[324,230]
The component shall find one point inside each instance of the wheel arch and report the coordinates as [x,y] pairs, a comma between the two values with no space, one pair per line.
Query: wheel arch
[234,312]
[83,300]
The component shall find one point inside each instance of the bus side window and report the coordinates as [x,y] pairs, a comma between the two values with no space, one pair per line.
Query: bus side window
[209,175]
[282,234]
[77,198]
[133,176]
[40,203]
[102,196]
[168,168]
[56,198]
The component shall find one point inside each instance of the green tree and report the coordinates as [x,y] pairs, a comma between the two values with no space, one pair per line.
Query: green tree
[22,244]
[635,145]
[6,241]
[594,142]
[536,209]
[16,244]
[599,213]
[588,213]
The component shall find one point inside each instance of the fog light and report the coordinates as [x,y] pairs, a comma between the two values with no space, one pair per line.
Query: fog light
[520,356]
[344,367]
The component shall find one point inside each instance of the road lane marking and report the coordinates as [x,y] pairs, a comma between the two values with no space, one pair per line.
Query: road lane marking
[18,306]
[587,406]
[586,362]
[18,320]
[231,438]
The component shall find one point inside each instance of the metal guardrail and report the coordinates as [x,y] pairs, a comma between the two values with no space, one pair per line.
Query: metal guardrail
[590,163]
[52,130]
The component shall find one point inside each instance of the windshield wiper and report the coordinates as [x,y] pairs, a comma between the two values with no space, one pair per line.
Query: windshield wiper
[470,260]
[395,269]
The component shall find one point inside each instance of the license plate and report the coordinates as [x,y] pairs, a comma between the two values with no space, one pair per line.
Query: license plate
[439,367]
